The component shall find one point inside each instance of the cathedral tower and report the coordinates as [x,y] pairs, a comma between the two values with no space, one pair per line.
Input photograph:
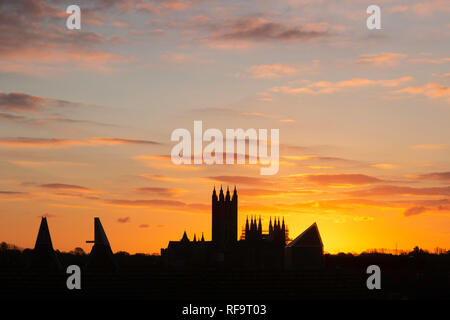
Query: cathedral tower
[224,218]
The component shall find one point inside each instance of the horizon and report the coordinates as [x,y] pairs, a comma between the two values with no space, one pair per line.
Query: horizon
[86,118]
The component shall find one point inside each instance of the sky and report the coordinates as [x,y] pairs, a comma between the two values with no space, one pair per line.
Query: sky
[86,118]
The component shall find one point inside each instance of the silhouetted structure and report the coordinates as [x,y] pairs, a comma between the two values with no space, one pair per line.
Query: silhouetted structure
[277,233]
[44,257]
[305,251]
[224,219]
[101,257]
[257,248]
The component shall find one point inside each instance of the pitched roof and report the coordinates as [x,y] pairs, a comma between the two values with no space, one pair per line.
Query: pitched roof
[309,238]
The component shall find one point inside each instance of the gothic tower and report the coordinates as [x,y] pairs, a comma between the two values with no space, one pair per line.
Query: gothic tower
[224,218]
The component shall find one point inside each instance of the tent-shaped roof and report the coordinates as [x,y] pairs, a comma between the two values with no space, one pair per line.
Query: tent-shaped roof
[309,238]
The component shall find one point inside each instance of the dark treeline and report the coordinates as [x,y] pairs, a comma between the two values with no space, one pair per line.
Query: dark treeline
[410,275]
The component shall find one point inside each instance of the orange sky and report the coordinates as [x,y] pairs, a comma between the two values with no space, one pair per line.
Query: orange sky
[86,118]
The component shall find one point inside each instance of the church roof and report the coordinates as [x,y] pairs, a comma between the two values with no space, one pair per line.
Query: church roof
[309,238]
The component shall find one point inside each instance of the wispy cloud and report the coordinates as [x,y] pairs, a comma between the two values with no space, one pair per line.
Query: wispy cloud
[443,176]
[237,180]
[124,220]
[69,187]
[402,191]
[337,179]
[278,70]
[162,192]
[326,87]
[430,147]
[431,90]
[18,101]
[381,59]
[64,143]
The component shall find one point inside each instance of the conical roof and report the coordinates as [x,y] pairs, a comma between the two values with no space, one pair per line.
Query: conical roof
[43,240]
[309,238]
[44,257]
[99,233]
[101,257]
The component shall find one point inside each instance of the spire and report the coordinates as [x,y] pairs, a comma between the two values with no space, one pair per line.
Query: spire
[185,237]
[195,238]
[228,194]
[234,194]
[221,193]
[259,226]
[203,238]
[270,226]
[214,195]
[247,228]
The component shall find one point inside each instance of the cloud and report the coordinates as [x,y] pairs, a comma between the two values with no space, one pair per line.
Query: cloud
[144,225]
[381,59]
[158,203]
[429,7]
[326,87]
[38,164]
[63,143]
[13,193]
[443,176]
[430,147]
[336,179]
[162,6]
[273,71]
[70,187]
[401,191]
[18,101]
[33,40]
[414,211]
[159,177]
[422,8]
[431,90]
[430,60]
[163,192]
[260,29]
[258,192]
[181,58]
[124,220]
[384,166]
[237,180]
[12,117]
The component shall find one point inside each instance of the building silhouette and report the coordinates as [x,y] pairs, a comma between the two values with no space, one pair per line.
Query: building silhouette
[44,257]
[305,251]
[224,219]
[101,257]
[277,232]
[256,248]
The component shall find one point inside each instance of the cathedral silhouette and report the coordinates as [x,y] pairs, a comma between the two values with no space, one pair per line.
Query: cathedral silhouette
[256,247]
